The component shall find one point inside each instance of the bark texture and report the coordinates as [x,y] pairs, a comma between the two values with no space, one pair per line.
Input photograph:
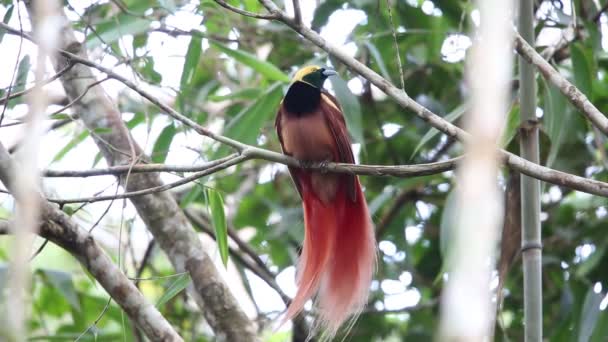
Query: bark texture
[161,213]
[60,229]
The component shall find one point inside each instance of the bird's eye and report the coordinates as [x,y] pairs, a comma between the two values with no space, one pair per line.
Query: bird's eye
[321,70]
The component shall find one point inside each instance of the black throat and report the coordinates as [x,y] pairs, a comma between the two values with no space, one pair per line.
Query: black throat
[302,98]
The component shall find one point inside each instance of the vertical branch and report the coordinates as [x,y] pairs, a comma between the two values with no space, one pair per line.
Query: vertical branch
[467,312]
[297,12]
[27,178]
[530,187]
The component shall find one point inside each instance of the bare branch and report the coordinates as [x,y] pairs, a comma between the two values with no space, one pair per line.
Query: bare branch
[297,12]
[61,230]
[160,212]
[246,13]
[26,91]
[572,93]
[531,169]
[137,168]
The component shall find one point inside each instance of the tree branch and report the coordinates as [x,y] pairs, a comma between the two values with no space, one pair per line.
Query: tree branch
[61,230]
[572,93]
[531,169]
[160,212]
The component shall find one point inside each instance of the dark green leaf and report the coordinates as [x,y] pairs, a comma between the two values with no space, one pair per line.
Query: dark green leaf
[591,262]
[7,17]
[191,62]
[62,281]
[71,145]
[162,144]
[266,69]
[511,126]
[193,195]
[175,286]
[244,94]
[351,108]
[218,218]
[556,119]
[582,69]
[117,26]
[246,125]
[451,117]
[589,315]
[377,57]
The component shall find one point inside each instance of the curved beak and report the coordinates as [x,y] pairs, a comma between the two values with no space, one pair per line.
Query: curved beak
[329,72]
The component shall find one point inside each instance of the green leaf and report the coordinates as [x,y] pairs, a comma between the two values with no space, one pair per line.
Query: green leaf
[451,117]
[162,144]
[191,61]
[218,218]
[192,195]
[377,56]
[591,262]
[175,286]
[22,71]
[117,26]
[243,94]
[62,281]
[351,108]
[447,225]
[71,145]
[7,17]
[247,124]
[582,69]
[513,121]
[267,69]
[3,275]
[556,119]
[589,315]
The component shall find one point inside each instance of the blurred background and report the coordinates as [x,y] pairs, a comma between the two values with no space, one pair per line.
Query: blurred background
[228,73]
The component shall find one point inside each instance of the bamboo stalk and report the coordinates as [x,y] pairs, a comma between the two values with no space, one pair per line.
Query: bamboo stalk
[530,187]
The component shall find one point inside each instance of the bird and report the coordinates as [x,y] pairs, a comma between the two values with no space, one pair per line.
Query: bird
[338,256]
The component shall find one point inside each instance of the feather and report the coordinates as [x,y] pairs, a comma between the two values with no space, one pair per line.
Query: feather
[338,254]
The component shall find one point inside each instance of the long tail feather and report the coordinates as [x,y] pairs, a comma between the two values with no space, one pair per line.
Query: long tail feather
[338,257]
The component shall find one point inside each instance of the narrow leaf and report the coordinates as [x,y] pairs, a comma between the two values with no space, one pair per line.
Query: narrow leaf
[218,218]
[176,285]
[511,125]
[582,69]
[351,108]
[556,120]
[451,117]
[267,69]
[117,26]
[247,124]
[162,144]
[589,315]
[71,145]
[191,62]
[7,17]
[377,56]
[62,281]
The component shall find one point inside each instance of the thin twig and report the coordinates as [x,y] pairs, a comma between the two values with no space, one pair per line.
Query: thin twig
[246,13]
[297,12]
[10,86]
[10,96]
[599,13]
[390,15]
[572,93]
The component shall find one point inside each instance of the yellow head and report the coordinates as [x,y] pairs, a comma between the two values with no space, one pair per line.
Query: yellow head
[313,75]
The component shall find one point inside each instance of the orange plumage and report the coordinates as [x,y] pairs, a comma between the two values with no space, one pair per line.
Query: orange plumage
[338,254]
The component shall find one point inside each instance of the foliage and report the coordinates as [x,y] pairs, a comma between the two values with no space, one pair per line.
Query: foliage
[231,74]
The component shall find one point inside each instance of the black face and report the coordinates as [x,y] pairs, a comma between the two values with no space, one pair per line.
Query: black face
[304,96]
[318,77]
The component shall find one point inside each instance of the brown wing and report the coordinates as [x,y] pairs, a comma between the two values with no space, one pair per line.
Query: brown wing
[292,170]
[335,120]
